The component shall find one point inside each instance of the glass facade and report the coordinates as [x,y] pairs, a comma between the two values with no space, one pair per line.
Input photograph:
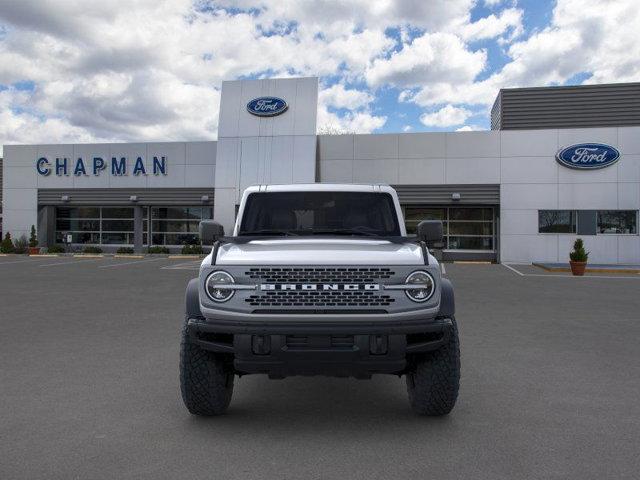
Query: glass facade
[177,225]
[115,225]
[464,228]
[95,225]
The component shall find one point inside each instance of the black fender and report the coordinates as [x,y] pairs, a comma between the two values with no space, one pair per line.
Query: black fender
[447,300]
[192,300]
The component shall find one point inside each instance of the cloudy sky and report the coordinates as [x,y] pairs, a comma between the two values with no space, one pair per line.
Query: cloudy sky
[125,70]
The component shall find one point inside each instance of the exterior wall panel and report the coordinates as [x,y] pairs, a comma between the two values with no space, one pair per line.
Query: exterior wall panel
[567,107]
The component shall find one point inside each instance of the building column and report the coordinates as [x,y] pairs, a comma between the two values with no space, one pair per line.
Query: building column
[46,229]
[138,228]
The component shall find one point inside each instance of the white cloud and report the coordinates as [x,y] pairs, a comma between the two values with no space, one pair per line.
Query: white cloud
[351,122]
[509,20]
[338,96]
[447,116]
[433,57]
[469,128]
[407,128]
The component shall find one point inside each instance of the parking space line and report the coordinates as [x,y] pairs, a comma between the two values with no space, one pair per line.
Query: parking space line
[513,269]
[70,262]
[130,263]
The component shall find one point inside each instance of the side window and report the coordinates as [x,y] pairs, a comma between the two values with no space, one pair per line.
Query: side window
[556,221]
[618,221]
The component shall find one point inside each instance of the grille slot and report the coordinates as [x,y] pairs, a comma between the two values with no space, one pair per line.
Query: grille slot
[319,274]
[334,298]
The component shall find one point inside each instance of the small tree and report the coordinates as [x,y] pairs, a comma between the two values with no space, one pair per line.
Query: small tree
[33,239]
[7,244]
[20,245]
[579,254]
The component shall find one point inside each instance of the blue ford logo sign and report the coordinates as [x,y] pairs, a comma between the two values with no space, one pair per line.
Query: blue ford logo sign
[588,156]
[267,106]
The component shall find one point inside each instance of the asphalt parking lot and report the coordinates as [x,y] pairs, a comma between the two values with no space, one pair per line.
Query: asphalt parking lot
[89,385]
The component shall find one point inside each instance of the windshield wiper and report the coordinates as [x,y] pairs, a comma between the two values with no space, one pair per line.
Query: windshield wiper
[268,231]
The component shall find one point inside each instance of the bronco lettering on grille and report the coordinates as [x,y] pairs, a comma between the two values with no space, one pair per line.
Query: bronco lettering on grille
[319,286]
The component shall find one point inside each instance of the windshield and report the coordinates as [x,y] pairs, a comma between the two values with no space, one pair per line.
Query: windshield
[318,213]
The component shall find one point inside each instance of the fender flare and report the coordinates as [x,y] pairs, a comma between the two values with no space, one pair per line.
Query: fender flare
[192,300]
[447,299]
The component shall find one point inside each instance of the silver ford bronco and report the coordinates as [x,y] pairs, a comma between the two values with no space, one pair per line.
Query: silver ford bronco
[320,279]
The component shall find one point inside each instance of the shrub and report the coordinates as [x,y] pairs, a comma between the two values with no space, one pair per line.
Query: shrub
[192,249]
[92,249]
[579,254]
[158,249]
[125,250]
[21,245]
[55,249]
[7,244]
[33,238]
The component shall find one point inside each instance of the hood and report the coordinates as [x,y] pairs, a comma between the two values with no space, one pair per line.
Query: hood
[320,251]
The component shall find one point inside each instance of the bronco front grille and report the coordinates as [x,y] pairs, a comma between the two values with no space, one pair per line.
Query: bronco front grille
[339,298]
[319,274]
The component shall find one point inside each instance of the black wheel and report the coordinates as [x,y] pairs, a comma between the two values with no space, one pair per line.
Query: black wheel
[434,378]
[206,380]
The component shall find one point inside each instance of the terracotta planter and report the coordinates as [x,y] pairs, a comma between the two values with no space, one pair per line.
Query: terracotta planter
[34,250]
[578,268]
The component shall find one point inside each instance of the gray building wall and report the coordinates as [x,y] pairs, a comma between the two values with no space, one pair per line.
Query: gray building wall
[616,104]
[257,150]
[522,163]
[189,165]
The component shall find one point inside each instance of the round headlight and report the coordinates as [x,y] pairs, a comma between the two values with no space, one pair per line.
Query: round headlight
[425,286]
[214,283]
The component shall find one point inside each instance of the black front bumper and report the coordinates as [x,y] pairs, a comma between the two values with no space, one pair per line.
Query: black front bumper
[337,348]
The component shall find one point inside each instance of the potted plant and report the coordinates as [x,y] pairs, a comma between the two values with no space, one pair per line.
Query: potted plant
[7,244]
[33,242]
[578,258]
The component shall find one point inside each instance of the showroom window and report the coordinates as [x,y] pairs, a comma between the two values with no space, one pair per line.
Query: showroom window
[557,221]
[95,225]
[618,221]
[177,225]
[464,228]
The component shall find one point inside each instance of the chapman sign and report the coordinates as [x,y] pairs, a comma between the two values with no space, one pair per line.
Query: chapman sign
[267,106]
[96,165]
[588,156]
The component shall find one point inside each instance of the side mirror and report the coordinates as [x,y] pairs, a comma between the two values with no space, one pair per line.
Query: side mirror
[210,232]
[430,231]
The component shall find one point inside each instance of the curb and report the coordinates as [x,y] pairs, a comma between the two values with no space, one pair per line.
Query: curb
[472,262]
[88,255]
[127,255]
[590,270]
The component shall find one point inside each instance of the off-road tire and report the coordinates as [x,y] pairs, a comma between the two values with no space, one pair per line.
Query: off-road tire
[206,380]
[434,378]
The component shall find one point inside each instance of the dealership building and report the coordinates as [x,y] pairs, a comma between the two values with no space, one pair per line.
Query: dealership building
[559,163]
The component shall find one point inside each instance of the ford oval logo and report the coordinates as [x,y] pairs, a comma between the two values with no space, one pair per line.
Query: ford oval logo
[267,106]
[588,156]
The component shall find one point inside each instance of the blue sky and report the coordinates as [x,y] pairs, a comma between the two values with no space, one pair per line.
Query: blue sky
[77,71]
